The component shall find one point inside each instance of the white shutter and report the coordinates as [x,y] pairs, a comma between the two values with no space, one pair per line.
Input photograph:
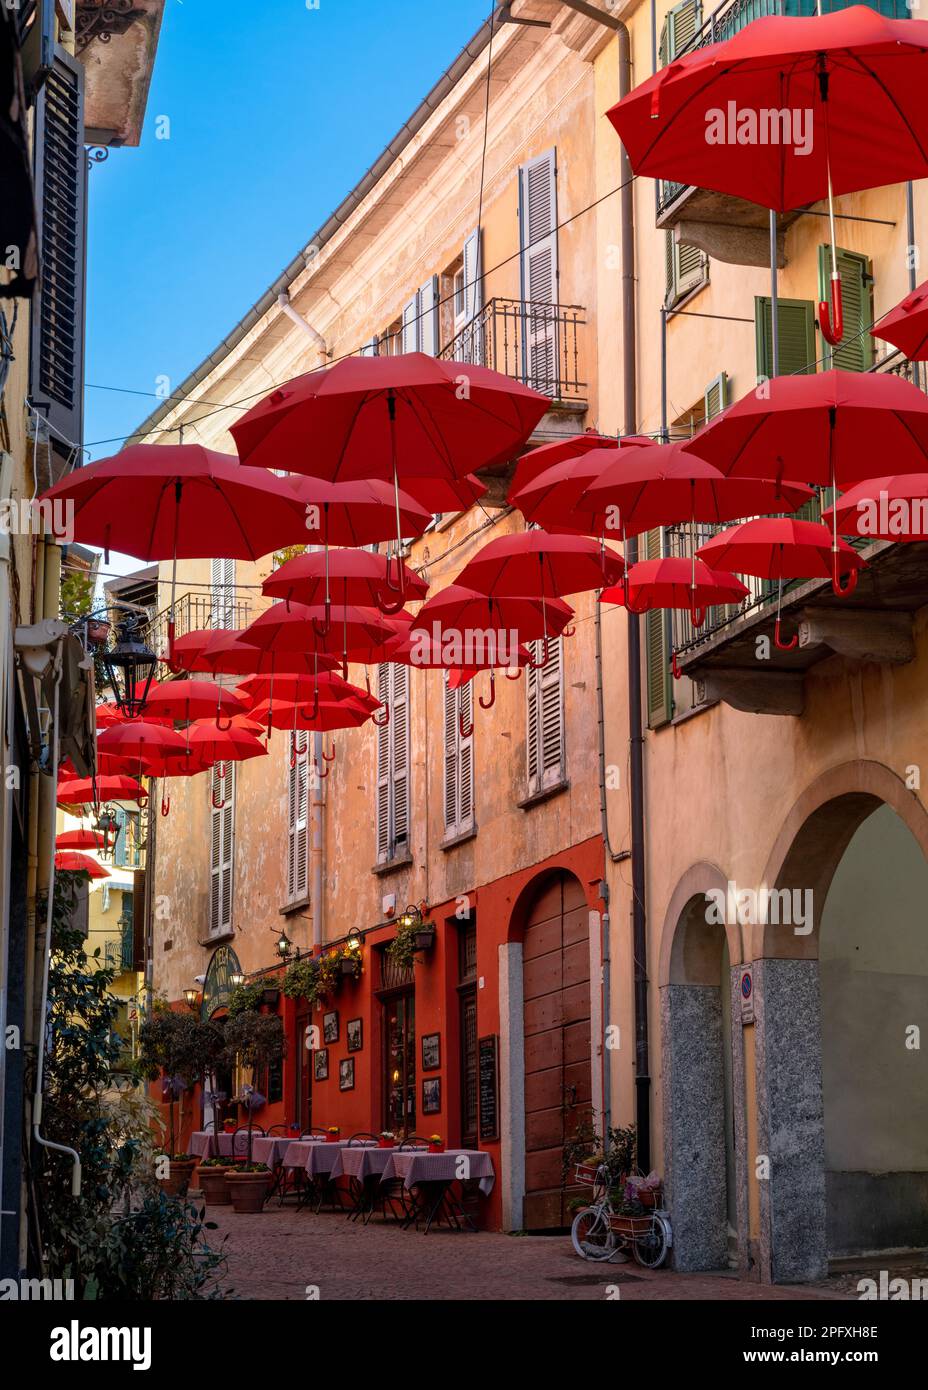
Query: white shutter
[538,232]
[298,821]
[222,595]
[222,844]
[429,327]
[451,758]
[410,334]
[369,349]
[544,735]
[473,284]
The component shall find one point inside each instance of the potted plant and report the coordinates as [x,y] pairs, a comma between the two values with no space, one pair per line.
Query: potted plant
[213,1181]
[350,961]
[253,1041]
[245,998]
[435,1144]
[410,938]
[182,1048]
[270,996]
[332,1134]
[386,1139]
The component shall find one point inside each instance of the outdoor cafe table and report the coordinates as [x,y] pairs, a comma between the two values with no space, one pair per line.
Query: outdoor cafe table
[433,1173]
[270,1148]
[203,1144]
[365,1162]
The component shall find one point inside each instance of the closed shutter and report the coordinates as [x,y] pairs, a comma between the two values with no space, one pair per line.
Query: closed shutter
[687,267]
[57,367]
[545,719]
[429,327]
[393,763]
[298,821]
[538,232]
[451,757]
[222,831]
[459,759]
[715,396]
[410,333]
[796,346]
[473,284]
[854,353]
[222,593]
[681,25]
[370,348]
[657,648]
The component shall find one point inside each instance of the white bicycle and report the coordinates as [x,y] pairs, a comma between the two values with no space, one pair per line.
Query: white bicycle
[599,1232]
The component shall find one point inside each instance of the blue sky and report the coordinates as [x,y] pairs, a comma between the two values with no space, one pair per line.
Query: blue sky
[275,112]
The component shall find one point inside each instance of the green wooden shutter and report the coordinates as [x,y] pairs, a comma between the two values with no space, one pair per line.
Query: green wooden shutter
[796,319]
[680,28]
[715,396]
[686,269]
[657,647]
[855,351]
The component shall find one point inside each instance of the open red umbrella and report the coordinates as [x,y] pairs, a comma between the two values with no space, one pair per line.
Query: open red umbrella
[89,791]
[360,512]
[478,617]
[675,582]
[186,700]
[830,425]
[139,737]
[788,111]
[356,633]
[223,745]
[537,461]
[300,689]
[534,564]
[906,326]
[71,862]
[189,648]
[395,418]
[356,576]
[80,839]
[445,494]
[781,548]
[894,508]
[227,654]
[320,717]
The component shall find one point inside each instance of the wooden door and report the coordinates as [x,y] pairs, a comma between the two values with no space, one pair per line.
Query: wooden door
[558,1075]
[303,1109]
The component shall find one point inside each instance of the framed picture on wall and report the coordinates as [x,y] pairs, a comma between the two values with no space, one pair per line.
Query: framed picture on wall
[431,1051]
[346,1074]
[330,1027]
[321,1065]
[431,1096]
[354,1032]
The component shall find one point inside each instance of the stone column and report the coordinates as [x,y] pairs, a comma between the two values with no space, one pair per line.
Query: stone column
[512,1084]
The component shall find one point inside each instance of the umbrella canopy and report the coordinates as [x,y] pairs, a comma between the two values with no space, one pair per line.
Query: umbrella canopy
[673,583]
[748,116]
[185,700]
[475,615]
[778,548]
[80,839]
[353,576]
[189,648]
[298,627]
[86,791]
[139,737]
[906,326]
[300,689]
[894,508]
[322,717]
[227,654]
[532,563]
[361,512]
[445,494]
[411,415]
[181,501]
[539,460]
[71,862]
[223,745]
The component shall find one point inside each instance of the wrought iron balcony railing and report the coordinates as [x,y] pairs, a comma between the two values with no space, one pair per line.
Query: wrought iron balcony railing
[193,612]
[538,344]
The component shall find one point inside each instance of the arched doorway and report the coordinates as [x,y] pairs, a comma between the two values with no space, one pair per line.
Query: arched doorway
[557,1044]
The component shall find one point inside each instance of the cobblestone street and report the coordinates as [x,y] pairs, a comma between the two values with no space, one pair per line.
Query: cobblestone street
[278,1254]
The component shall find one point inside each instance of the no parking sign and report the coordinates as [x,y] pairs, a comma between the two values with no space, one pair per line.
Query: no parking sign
[747,994]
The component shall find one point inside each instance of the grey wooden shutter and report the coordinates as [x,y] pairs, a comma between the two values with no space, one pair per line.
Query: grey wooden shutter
[399,758]
[410,333]
[472,346]
[459,759]
[687,267]
[545,719]
[298,821]
[222,837]
[681,26]
[539,271]
[429,326]
[57,366]
[369,349]
[715,396]
[796,346]
[383,769]
[854,353]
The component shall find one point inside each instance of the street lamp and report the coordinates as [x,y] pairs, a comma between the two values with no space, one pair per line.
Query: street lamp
[354,940]
[236,979]
[191,997]
[284,946]
[130,666]
[107,823]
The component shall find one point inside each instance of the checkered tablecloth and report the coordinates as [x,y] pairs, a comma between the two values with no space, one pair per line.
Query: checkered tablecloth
[203,1144]
[417,1166]
[270,1148]
[361,1161]
[297,1151]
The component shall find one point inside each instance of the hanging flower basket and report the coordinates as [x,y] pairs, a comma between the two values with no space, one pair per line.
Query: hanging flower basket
[424,938]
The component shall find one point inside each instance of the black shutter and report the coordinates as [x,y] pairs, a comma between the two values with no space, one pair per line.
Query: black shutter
[57,375]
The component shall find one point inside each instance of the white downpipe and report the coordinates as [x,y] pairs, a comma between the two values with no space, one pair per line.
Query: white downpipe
[283,303]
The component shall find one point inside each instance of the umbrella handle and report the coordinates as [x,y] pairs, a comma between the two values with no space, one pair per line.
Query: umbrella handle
[381,722]
[323,629]
[569,631]
[223,728]
[166,805]
[638,612]
[831,319]
[400,586]
[697,616]
[784,646]
[314,713]
[296,751]
[846,589]
[465,733]
[217,805]
[677,673]
[537,665]
[510,677]
[319,771]
[488,704]
[329,757]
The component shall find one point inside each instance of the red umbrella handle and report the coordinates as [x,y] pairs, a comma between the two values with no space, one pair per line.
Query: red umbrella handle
[323,629]
[296,751]
[677,673]
[569,631]
[488,704]
[784,646]
[510,677]
[381,722]
[319,771]
[383,603]
[846,589]
[165,805]
[697,616]
[537,665]
[314,712]
[638,612]
[465,733]
[831,320]
[329,757]
[217,805]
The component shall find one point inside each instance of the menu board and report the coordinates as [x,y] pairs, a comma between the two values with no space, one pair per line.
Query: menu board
[488,1087]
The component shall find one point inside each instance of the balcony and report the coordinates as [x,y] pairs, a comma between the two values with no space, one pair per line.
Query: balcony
[727,228]
[193,612]
[873,624]
[537,344]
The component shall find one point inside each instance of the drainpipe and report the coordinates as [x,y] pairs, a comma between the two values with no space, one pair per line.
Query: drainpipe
[318,845]
[285,307]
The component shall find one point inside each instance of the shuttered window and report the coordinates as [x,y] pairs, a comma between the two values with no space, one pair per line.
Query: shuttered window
[539,271]
[421,329]
[686,269]
[545,752]
[369,349]
[222,593]
[657,646]
[473,284]
[57,375]
[298,820]
[679,30]
[796,346]
[459,760]
[854,353]
[222,835]
[393,764]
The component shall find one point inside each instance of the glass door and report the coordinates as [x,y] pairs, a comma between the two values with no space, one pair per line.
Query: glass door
[399,1013]
[303,1109]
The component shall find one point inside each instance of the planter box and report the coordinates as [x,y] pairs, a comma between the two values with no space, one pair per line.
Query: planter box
[632,1227]
[424,940]
[349,967]
[270,997]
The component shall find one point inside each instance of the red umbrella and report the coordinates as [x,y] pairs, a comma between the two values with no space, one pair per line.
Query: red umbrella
[668,583]
[906,326]
[326,716]
[107,714]
[227,654]
[831,425]
[299,689]
[189,648]
[360,512]
[357,632]
[894,508]
[71,862]
[532,563]
[478,617]
[539,460]
[788,111]
[223,745]
[140,737]
[781,548]
[87,791]
[185,700]
[460,675]
[80,839]
[357,576]
[395,418]
[445,494]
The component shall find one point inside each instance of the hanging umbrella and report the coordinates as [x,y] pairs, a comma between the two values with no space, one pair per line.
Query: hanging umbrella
[355,632]
[831,425]
[786,112]
[894,508]
[80,839]
[108,714]
[300,688]
[302,718]
[223,745]
[781,548]
[189,648]
[140,737]
[460,675]
[394,418]
[186,700]
[445,494]
[473,614]
[87,791]
[360,512]
[227,654]
[906,326]
[546,456]
[357,576]
[71,862]
[532,563]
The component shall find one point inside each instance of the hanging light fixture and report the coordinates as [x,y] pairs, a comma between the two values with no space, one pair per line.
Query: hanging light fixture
[191,998]
[236,979]
[130,666]
[284,946]
[107,823]
[354,941]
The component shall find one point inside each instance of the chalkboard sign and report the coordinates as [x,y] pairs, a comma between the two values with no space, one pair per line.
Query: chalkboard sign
[488,1086]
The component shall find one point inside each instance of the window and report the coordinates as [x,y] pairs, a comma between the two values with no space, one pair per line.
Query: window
[546,761]
[222,809]
[796,350]
[459,759]
[393,764]
[222,594]
[420,332]
[687,269]
[679,30]
[459,299]
[539,271]
[854,353]
[399,1054]
[298,821]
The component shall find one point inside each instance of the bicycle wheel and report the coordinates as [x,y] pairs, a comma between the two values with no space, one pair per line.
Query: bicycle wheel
[651,1249]
[593,1237]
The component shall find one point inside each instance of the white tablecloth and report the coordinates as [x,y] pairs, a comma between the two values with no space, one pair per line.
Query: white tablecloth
[418,1165]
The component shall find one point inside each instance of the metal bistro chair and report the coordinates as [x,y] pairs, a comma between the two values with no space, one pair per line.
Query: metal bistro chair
[292,1178]
[315,1189]
[240,1145]
[393,1193]
[275,1132]
[434,1209]
[361,1192]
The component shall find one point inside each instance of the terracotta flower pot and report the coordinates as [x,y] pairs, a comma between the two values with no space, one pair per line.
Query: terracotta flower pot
[436,1148]
[332,1138]
[247,1191]
[178,1180]
[215,1188]
[386,1143]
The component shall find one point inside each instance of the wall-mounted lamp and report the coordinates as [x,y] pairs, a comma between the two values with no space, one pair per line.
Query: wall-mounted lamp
[192,998]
